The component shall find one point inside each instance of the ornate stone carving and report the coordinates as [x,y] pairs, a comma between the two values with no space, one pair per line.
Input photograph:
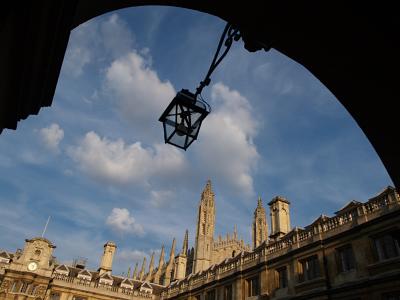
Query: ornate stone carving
[40,291]
[5,285]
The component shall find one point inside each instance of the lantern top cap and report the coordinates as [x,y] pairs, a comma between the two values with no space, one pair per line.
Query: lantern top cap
[186,98]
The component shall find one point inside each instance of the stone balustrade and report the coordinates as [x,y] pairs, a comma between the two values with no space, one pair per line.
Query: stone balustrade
[296,238]
[96,285]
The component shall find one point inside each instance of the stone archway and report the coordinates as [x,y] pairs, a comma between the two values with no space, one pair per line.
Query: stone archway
[351,48]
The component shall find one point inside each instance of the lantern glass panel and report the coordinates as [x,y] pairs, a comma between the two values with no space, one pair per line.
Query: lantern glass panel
[182,119]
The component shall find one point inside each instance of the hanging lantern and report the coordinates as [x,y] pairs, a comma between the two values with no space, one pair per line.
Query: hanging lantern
[183,116]
[182,119]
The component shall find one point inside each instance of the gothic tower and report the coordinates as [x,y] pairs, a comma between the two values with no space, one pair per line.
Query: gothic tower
[205,230]
[280,217]
[260,227]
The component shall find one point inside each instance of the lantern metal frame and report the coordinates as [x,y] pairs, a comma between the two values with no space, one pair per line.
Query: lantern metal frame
[183,117]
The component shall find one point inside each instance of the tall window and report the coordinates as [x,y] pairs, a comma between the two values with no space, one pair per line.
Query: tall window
[309,268]
[345,258]
[282,279]
[210,295]
[228,292]
[387,246]
[24,287]
[14,287]
[252,286]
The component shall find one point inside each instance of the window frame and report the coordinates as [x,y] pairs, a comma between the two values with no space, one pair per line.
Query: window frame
[343,263]
[211,294]
[306,272]
[253,289]
[279,271]
[381,245]
[228,292]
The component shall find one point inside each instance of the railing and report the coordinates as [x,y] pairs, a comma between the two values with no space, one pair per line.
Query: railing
[328,225]
[102,286]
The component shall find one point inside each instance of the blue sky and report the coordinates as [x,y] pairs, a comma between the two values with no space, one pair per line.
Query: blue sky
[96,162]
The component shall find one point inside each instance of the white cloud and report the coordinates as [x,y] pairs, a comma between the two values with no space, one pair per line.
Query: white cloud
[93,40]
[140,94]
[52,136]
[120,163]
[117,39]
[137,255]
[83,41]
[225,146]
[161,198]
[121,221]
[132,255]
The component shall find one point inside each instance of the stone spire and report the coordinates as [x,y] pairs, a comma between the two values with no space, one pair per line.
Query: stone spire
[135,271]
[169,268]
[181,260]
[151,268]
[157,278]
[142,270]
[151,265]
[128,274]
[260,227]
[161,261]
[235,233]
[208,195]
[172,253]
[185,243]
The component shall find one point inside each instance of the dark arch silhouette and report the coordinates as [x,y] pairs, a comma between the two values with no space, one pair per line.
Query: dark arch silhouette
[351,47]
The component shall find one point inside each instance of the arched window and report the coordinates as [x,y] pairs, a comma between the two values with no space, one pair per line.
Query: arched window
[32,289]
[24,287]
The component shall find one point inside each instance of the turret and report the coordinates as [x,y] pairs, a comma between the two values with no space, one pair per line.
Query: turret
[280,217]
[181,260]
[107,258]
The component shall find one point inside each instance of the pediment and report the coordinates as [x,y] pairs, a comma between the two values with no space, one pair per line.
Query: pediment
[348,206]
[4,254]
[106,276]
[320,219]
[62,269]
[127,282]
[85,272]
[146,285]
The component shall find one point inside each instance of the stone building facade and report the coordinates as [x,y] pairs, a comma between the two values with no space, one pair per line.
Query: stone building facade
[32,273]
[354,254]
